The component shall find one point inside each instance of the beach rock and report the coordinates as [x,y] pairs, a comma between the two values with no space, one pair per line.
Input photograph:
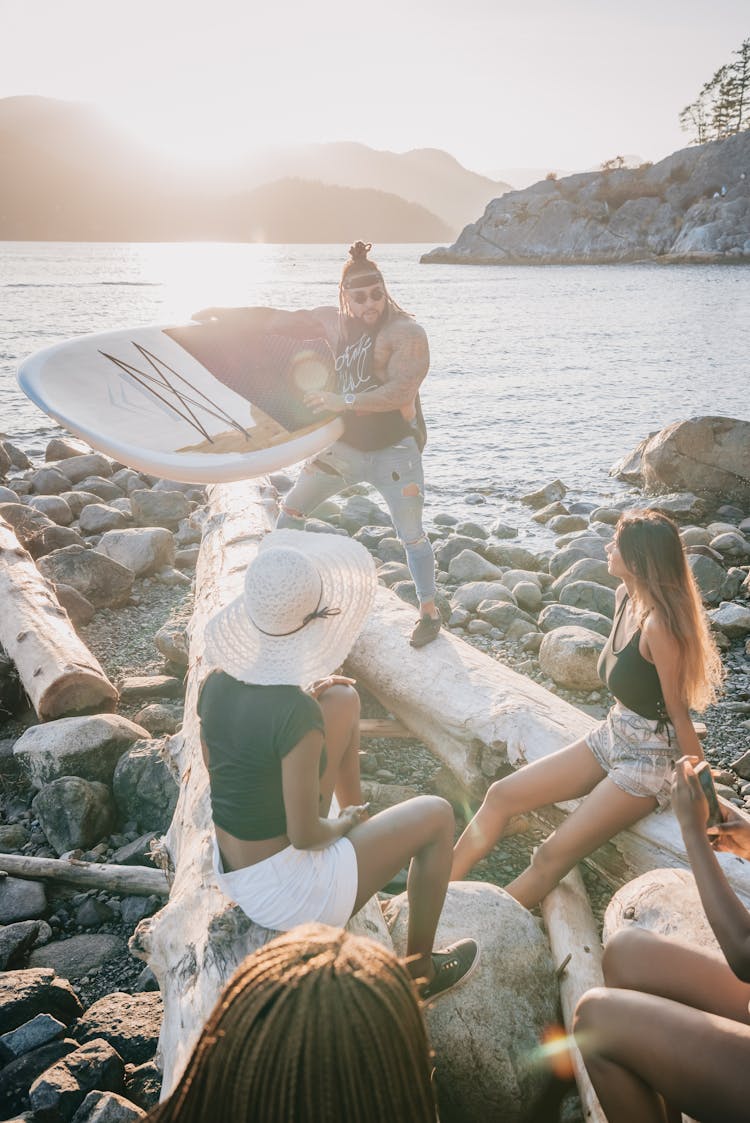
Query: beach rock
[39,1031]
[482,1048]
[582,548]
[97,518]
[53,538]
[707,455]
[172,642]
[128,480]
[136,853]
[54,507]
[159,719]
[358,511]
[16,939]
[563,616]
[470,566]
[471,595]
[391,572]
[501,615]
[20,1074]
[407,592]
[74,813]
[27,522]
[21,900]
[391,549]
[710,577]
[16,455]
[564,524]
[104,582]
[80,467]
[551,493]
[80,610]
[60,448]
[134,909]
[5,461]
[88,746]
[732,545]
[77,500]
[99,486]
[695,536]
[499,529]
[479,628]
[451,547]
[732,619]
[12,836]
[586,569]
[515,557]
[170,576]
[569,656]
[551,511]
[48,481]
[59,1091]
[513,577]
[144,788]
[370,536]
[24,994]
[77,956]
[158,508]
[143,550]
[589,595]
[443,518]
[8,495]
[129,1022]
[143,1084]
[188,558]
[528,595]
[107,1107]
[471,530]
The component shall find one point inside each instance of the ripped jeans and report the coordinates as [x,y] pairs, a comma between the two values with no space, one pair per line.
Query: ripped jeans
[396,472]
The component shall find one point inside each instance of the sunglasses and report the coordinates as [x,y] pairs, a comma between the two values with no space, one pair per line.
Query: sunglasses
[361,296]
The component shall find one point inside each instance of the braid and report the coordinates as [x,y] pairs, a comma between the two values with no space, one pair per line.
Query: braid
[318,1024]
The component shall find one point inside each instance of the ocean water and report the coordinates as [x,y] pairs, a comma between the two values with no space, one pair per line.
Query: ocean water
[537,372]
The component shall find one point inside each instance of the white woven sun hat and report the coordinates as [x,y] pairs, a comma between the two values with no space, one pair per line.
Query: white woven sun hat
[305,601]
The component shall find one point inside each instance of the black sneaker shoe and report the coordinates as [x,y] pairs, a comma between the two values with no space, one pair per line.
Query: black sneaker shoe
[427,629]
[452,965]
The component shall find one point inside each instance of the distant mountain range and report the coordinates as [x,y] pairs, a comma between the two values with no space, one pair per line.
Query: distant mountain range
[71,175]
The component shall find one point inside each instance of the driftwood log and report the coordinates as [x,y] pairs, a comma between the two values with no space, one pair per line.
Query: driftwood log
[197,940]
[479,717]
[139,880]
[58,672]
[577,952]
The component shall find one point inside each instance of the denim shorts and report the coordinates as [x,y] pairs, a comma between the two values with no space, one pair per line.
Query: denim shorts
[637,758]
[295,886]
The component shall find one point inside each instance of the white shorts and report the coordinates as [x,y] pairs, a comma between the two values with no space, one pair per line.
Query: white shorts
[295,886]
[634,755]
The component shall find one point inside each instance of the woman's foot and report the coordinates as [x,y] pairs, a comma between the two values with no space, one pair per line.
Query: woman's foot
[452,965]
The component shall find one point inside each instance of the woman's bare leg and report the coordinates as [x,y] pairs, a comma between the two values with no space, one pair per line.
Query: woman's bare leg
[636,959]
[567,774]
[604,812]
[340,706]
[420,829]
[645,1052]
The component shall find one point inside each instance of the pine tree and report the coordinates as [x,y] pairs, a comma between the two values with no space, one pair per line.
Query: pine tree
[722,107]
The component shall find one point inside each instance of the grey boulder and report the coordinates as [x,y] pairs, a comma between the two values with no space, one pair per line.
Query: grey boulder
[74,813]
[87,746]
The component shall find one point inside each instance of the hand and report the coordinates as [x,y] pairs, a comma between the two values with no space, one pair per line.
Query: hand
[733,834]
[323,401]
[353,815]
[688,801]
[322,684]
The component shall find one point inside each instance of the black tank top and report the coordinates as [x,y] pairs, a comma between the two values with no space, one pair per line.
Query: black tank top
[369,432]
[631,678]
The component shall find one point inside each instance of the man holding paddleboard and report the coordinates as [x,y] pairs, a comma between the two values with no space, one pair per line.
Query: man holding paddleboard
[381,356]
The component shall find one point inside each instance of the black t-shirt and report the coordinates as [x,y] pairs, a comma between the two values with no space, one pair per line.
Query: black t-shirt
[248,730]
[369,432]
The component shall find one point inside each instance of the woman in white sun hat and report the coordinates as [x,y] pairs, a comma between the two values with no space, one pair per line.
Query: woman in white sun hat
[277,753]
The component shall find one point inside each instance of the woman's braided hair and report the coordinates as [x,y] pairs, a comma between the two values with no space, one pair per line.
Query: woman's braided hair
[359,270]
[317,1025]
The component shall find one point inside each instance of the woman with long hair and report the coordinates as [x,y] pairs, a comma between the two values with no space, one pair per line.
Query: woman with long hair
[277,753]
[670,1032]
[317,1025]
[659,663]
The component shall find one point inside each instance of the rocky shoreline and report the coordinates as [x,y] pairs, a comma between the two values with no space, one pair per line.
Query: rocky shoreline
[79,1015]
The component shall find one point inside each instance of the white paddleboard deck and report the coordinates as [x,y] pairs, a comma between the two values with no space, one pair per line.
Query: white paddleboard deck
[146,397]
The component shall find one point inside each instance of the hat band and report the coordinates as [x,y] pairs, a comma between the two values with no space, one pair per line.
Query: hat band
[317,614]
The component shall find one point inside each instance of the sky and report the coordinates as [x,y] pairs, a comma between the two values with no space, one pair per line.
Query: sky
[559,84]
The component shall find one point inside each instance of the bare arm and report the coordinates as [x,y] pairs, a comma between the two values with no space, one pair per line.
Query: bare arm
[664,651]
[305,828]
[726,914]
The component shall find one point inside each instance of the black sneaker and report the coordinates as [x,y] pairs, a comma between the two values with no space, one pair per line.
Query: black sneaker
[427,629]
[452,965]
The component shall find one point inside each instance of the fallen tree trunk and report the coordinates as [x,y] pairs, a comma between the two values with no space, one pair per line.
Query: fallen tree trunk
[479,716]
[577,952]
[58,672]
[138,880]
[198,939]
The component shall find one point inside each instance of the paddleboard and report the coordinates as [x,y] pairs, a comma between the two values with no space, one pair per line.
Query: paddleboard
[198,403]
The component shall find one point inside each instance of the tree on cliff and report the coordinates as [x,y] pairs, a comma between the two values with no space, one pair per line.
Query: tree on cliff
[722,107]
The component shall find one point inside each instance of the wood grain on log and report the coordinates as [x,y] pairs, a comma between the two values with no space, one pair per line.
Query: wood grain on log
[138,880]
[58,672]
[577,951]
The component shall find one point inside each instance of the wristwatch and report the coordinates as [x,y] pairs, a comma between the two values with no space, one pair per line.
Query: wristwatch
[349,401]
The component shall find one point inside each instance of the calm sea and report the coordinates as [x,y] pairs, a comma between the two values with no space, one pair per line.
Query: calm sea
[536,372]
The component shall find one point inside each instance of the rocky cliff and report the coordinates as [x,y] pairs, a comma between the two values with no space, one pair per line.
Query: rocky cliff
[694,206]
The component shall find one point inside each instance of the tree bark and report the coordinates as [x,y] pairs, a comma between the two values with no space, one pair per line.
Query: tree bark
[58,672]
